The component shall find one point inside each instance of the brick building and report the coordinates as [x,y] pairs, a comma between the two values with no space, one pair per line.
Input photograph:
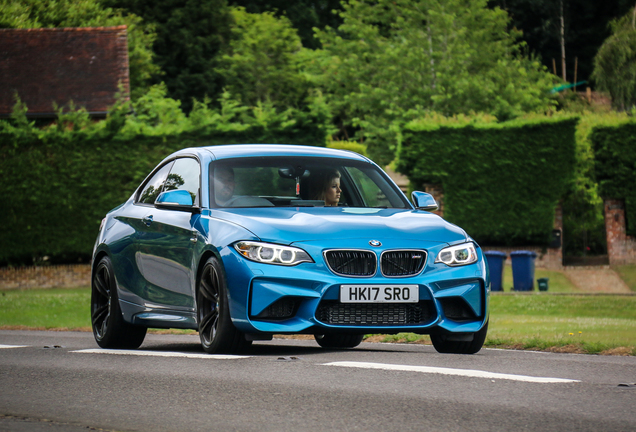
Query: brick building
[48,66]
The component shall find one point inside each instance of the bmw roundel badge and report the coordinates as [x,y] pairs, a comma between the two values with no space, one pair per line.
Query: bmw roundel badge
[375,243]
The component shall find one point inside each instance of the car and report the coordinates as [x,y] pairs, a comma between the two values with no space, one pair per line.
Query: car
[242,242]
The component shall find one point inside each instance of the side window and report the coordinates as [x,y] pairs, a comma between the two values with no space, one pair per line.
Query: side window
[154,186]
[184,175]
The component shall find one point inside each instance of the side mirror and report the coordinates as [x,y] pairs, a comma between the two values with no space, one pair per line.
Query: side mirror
[175,200]
[424,201]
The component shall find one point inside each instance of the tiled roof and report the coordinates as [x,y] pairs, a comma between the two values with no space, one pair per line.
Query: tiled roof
[45,65]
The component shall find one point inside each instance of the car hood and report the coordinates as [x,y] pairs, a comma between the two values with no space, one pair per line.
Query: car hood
[289,225]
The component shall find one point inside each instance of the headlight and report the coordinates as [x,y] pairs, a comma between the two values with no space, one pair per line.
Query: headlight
[457,255]
[269,253]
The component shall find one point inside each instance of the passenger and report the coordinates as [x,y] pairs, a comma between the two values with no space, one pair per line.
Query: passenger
[223,185]
[329,188]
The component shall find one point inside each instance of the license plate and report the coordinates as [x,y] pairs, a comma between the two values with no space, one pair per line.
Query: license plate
[379,294]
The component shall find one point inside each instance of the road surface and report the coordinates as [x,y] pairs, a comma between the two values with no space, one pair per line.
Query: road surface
[62,382]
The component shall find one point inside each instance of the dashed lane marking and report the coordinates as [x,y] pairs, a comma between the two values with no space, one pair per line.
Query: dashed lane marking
[12,346]
[449,371]
[160,354]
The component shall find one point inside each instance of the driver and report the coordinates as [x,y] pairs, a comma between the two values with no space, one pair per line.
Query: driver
[223,185]
[329,190]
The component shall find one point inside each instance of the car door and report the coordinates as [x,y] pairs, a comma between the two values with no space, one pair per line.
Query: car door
[166,243]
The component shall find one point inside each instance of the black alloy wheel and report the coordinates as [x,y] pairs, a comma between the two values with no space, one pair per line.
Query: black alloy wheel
[217,333]
[109,328]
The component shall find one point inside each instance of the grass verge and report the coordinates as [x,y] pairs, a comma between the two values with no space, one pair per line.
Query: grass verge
[579,323]
[46,309]
[594,324]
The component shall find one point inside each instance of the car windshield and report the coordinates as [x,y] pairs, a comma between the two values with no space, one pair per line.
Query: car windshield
[301,182]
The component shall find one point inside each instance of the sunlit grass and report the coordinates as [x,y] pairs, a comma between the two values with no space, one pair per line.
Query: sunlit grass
[46,309]
[564,306]
[612,332]
[592,323]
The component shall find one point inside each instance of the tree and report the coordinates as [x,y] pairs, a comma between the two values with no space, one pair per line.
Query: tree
[261,62]
[88,13]
[615,63]
[305,15]
[190,35]
[586,27]
[392,60]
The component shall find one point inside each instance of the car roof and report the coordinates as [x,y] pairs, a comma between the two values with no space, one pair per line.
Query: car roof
[253,150]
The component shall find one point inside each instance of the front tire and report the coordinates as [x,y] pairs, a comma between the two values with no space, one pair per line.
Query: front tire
[443,345]
[109,328]
[339,341]
[216,331]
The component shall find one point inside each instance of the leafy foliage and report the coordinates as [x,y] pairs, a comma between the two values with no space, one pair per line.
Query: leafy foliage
[615,63]
[305,15]
[260,64]
[241,75]
[88,13]
[583,220]
[391,61]
[190,35]
[615,165]
[348,145]
[502,181]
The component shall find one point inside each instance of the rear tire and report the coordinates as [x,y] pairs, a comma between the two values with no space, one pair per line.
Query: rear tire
[109,328]
[339,340]
[445,346]
[216,331]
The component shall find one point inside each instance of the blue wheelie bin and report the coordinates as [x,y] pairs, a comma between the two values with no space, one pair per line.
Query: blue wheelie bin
[523,270]
[495,261]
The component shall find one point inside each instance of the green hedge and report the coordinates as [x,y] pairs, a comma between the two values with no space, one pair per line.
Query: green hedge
[501,181]
[348,145]
[615,166]
[58,183]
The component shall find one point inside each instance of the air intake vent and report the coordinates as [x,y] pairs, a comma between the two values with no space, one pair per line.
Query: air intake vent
[375,314]
[402,263]
[456,309]
[282,309]
[351,262]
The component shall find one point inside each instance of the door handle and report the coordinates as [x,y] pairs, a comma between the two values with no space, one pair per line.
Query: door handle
[193,239]
[147,220]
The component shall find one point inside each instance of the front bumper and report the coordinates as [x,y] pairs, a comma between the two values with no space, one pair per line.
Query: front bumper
[305,298]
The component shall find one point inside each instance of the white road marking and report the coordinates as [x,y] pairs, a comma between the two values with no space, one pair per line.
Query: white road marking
[160,354]
[13,346]
[449,371]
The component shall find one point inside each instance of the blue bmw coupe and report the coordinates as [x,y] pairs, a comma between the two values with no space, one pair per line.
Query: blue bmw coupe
[242,242]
